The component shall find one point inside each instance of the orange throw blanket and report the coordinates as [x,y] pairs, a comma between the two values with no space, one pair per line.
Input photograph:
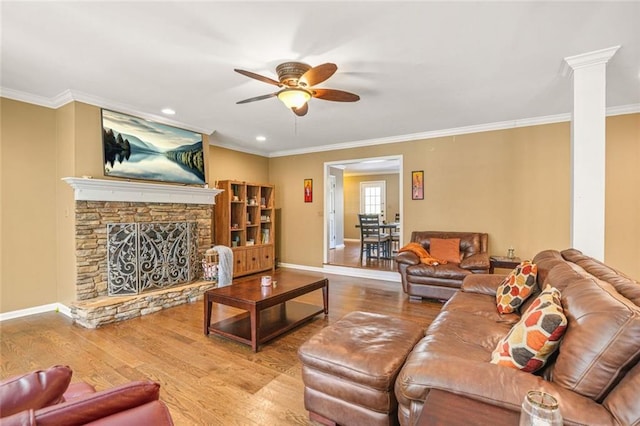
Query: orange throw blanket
[423,254]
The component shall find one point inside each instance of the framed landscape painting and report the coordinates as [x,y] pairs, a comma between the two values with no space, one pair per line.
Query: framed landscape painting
[135,148]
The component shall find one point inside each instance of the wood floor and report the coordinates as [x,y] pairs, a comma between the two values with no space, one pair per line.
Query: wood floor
[205,380]
[349,255]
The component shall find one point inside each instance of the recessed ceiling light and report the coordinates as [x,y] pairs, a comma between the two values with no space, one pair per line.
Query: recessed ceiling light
[261,138]
[168,111]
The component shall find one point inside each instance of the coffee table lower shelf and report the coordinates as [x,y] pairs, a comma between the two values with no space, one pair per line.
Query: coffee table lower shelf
[274,321]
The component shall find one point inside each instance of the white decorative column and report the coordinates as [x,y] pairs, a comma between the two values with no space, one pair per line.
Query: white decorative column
[588,149]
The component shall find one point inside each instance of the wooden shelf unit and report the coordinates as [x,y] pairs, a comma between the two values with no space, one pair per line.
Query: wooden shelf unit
[244,219]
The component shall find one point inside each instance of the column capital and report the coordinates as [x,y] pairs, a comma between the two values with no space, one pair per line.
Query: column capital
[602,56]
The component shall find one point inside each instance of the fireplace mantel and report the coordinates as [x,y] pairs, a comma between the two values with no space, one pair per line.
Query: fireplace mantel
[88,189]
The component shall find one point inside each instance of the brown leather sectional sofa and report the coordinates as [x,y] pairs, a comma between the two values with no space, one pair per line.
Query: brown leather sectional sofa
[595,374]
[46,397]
[443,281]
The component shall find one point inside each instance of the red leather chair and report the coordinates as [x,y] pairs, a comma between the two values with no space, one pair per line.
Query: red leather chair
[46,397]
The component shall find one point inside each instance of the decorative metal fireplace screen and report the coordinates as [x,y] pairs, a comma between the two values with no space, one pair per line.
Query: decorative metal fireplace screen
[148,256]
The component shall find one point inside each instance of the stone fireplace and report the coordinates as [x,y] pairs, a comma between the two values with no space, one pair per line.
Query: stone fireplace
[172,218]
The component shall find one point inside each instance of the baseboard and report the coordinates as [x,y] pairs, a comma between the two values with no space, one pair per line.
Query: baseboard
[330,269]
[51,307]
[300,267]
[372,274]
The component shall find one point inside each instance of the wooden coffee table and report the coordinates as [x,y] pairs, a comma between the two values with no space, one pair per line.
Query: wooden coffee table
[270,310]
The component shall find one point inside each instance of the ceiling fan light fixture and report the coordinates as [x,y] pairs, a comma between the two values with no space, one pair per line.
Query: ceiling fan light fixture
[294,98]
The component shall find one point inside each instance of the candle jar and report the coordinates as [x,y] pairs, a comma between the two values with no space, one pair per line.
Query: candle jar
[540,409]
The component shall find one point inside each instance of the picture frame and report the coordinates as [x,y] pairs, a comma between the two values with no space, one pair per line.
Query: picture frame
[417,185]
[308,190]
[137,148]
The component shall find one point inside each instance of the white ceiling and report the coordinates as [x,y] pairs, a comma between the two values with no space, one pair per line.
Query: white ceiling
[419,67]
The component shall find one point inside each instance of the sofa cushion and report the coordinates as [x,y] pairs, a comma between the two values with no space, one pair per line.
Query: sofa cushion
[601,344]
[34,390]
[535,337]
[516,287]
[479,261]
[625,285]
[446,248]
[450,271]
[479,304]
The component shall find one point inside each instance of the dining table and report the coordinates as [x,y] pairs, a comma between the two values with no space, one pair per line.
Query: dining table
[390,227]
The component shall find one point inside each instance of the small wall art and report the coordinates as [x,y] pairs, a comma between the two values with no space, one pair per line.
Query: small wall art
[417,185]
[308,190]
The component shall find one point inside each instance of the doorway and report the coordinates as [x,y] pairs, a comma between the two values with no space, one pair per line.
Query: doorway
[343,203]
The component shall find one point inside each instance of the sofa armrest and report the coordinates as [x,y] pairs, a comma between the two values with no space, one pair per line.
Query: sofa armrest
[489,383]
[482,283]
[100,404]
[34,390]
[478,261]
[153,413]
[407,258]
[23,418]
[78,390]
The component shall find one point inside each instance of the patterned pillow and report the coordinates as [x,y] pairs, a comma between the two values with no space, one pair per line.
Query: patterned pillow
[516,287]
[533,339]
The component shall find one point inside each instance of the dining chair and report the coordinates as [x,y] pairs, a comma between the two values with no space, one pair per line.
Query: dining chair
[395,235]
[372,237]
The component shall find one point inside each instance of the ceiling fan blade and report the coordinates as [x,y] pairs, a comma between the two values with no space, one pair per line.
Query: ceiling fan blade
[301,111]
[258,77]
[258,98]
[335,95]
[318,74]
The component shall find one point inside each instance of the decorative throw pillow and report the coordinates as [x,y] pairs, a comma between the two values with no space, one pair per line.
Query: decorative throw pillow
[533,339]
[516,287]
[422,253]
[446,249]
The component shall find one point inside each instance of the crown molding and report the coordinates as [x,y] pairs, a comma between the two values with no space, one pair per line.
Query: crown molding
[501,125]
[238,148]
[77,96]
[69,96]
[623,110]
[29,98]
[602,56]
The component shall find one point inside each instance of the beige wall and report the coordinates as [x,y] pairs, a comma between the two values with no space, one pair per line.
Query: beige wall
[622,200]
[491,182]
[228,164]
[513,184]
[29,255]
[352,199]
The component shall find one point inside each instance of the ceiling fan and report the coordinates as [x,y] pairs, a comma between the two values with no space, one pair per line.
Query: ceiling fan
[296,81]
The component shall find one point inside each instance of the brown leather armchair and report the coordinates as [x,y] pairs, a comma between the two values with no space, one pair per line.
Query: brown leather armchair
[443,281]
[46,397]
